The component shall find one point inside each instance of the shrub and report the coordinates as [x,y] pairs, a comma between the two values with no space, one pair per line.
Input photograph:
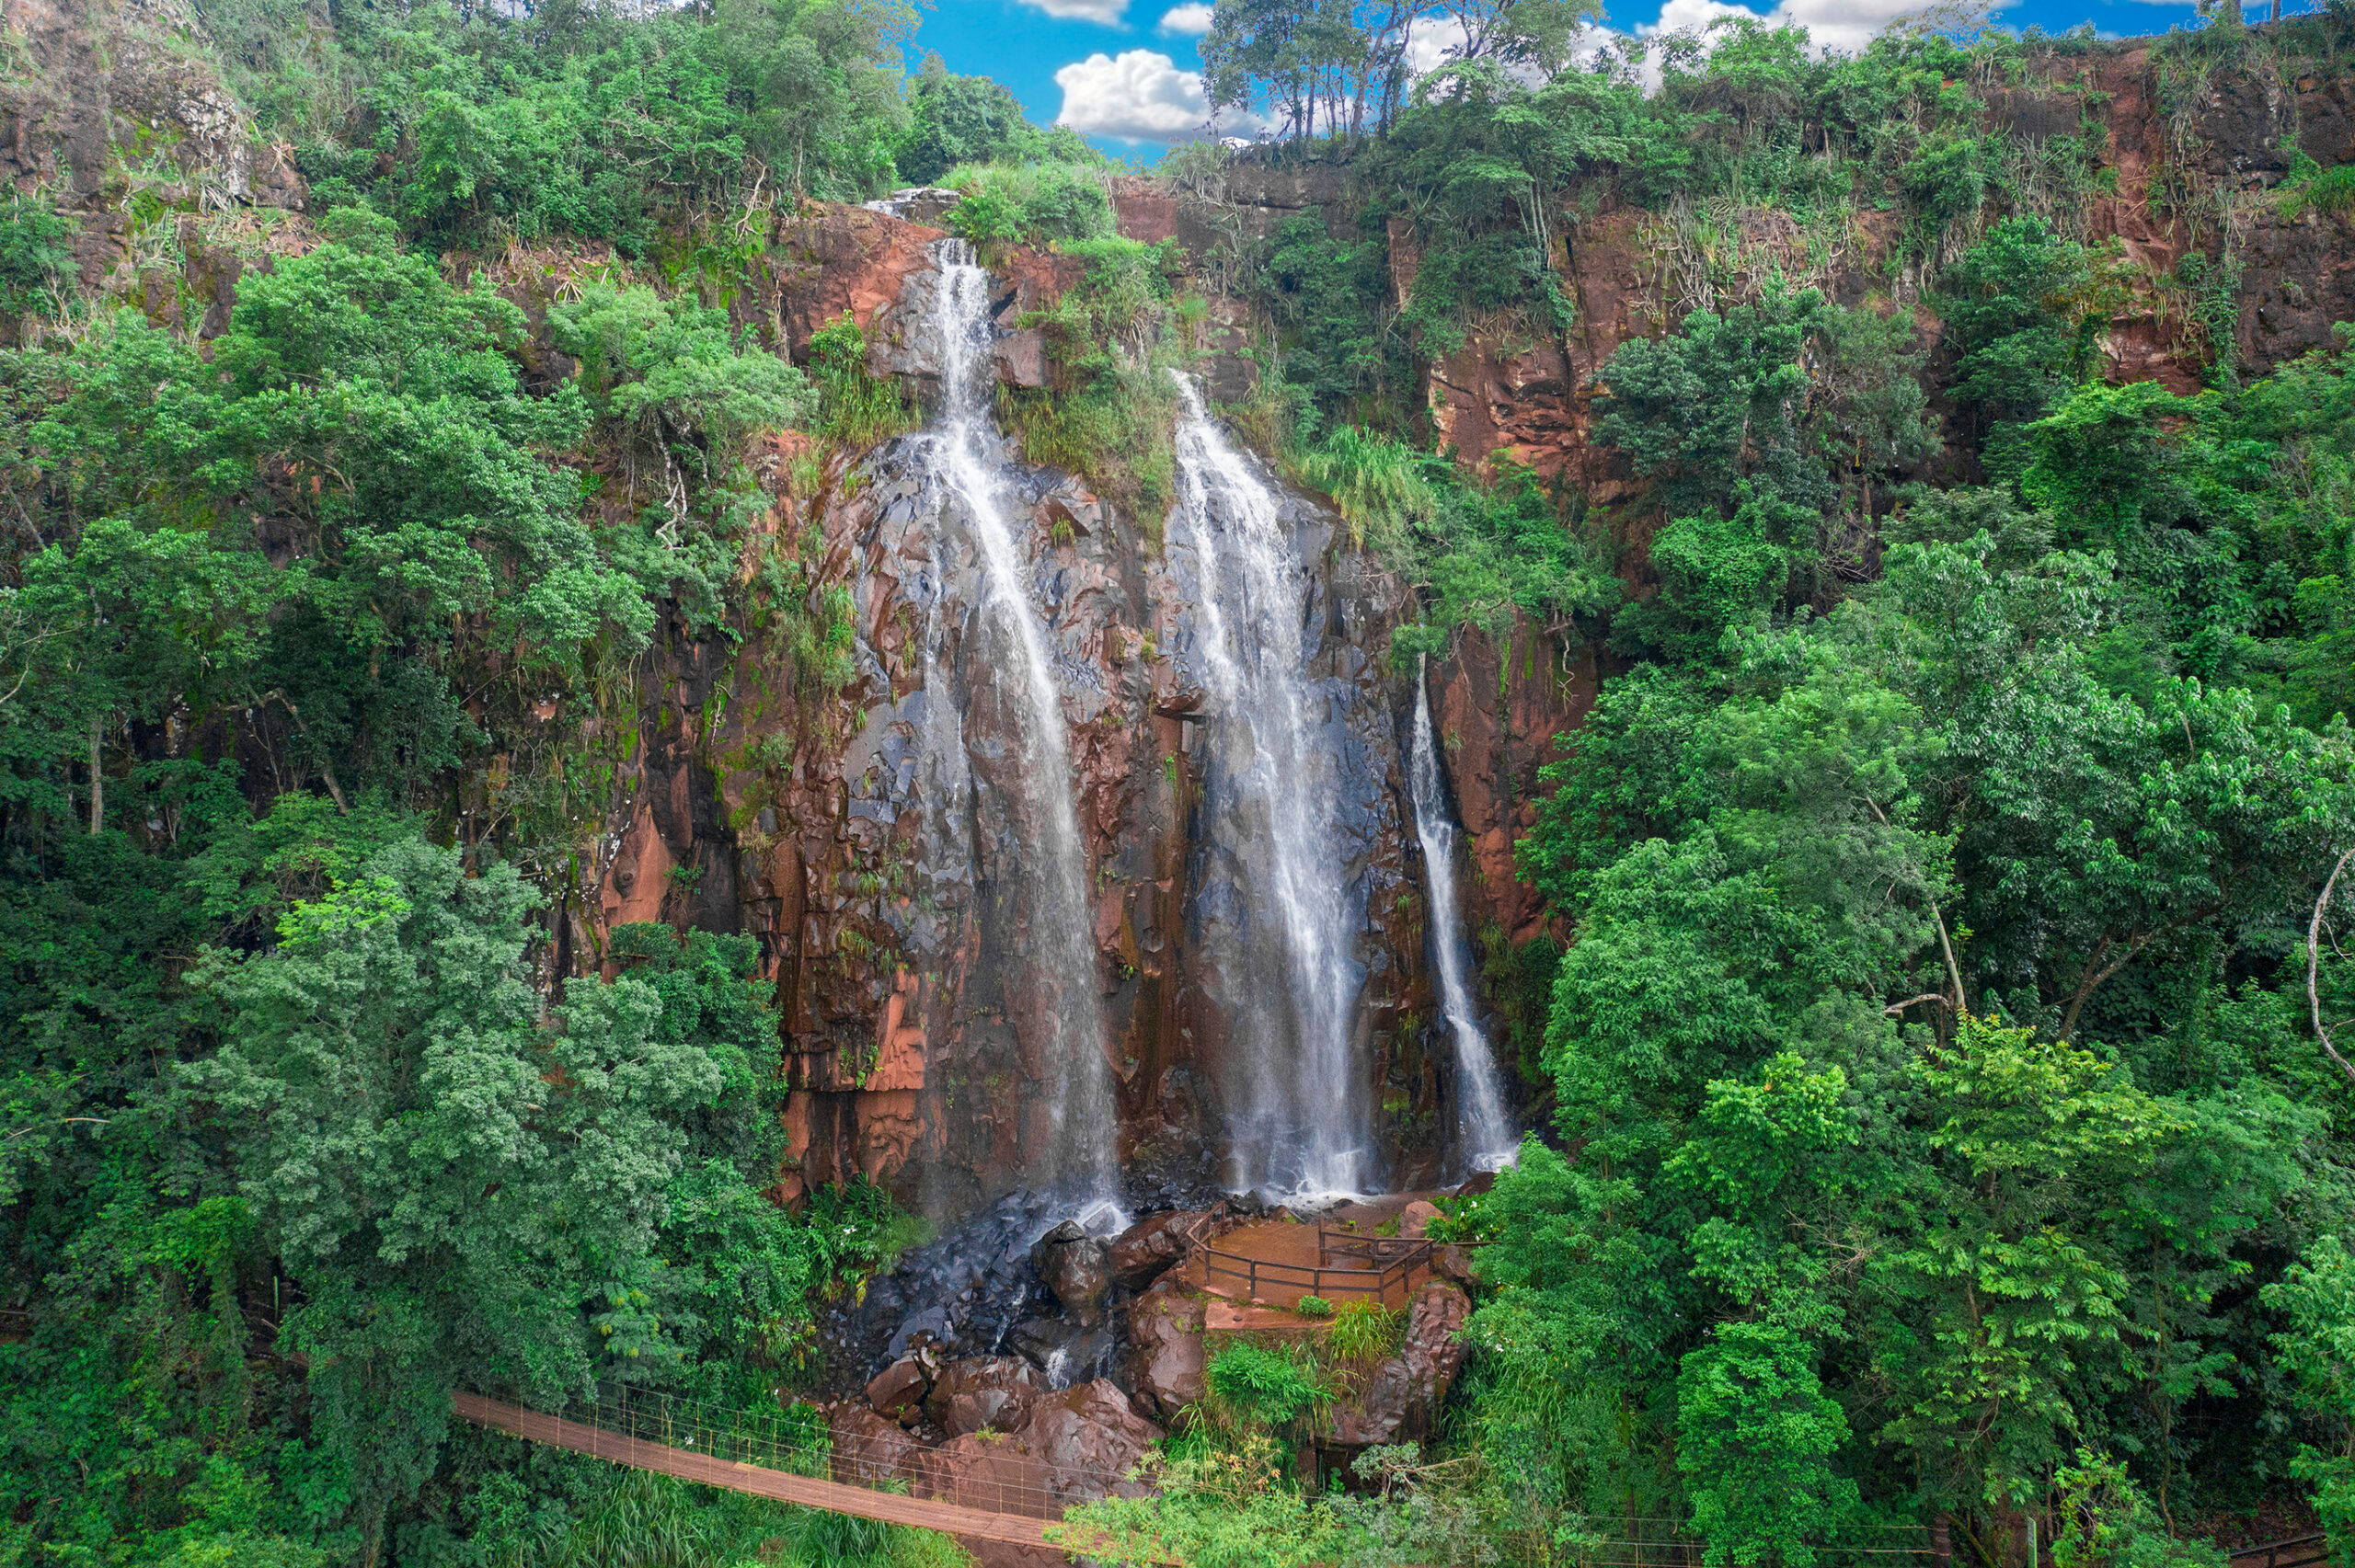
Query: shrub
[1366,1331]
[1117,431]
[2330,190]
[1377,482]
[675,372]
[1466,1219]
[36,252]
[855,408]
[1036,203]
[1315,1307]
[985,217]
[1264,1384]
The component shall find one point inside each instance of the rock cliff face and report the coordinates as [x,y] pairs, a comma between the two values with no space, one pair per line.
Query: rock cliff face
[874,838]
[121,103]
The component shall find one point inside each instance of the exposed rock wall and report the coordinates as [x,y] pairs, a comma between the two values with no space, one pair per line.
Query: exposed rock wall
[120,100]
[872,838]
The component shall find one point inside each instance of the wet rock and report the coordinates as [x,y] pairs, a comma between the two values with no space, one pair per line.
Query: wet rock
[1407,1388]
[1165,1355]
[1077,1268]
[918,203]
[992,1392]
[1042,1339]
[1141,1252]
[1065,1352]
[1089,1439]
[989,1471]
[869,1449]
[898,1391]
[932,1321]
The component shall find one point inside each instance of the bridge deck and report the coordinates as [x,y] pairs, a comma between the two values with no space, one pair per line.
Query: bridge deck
[806,1491]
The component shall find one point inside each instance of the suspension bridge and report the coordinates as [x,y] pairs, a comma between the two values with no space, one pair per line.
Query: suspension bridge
[1014,1500]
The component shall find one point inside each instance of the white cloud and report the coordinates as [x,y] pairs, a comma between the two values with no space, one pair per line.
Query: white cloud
[1193,18]
[1109,11]
[1846,25]
[1138,96]
[1431,42]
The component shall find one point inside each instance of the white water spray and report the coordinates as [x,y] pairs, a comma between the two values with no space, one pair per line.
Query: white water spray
[1302,1121]
[1484,1132]
[1083,1164]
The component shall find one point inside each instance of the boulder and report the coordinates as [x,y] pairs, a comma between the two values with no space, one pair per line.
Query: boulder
[869,1448]
[992,1393]
[898,1391]
[1165,1355]
[1416,1218]
[919,203]
[1022,357]
[1139,1254]
[1067,1353]
[1089,1439]
[1407,1388]
[989,1471]
[1453,1263]
[932,1324]
[1076,1268]
[1042,1339]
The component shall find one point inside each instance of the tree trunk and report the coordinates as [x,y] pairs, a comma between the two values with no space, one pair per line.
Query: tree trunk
[98,782]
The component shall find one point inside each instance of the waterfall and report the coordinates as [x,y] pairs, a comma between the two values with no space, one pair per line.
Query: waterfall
[1083,1162]
[1281,920]
[1484,1132]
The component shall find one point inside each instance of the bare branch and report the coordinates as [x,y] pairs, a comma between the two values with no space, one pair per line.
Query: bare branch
[2314,965]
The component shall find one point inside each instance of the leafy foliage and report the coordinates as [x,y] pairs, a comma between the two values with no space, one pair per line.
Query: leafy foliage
[1266,1386]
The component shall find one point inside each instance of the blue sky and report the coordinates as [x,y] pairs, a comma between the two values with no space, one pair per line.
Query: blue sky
[1128,66]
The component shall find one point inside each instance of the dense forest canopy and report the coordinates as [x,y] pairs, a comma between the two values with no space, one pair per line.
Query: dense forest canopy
[1936,1038]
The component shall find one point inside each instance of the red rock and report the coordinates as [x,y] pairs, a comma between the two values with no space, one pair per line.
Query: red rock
[1145,1248]
[989,1471]
[900,1388]
[1166,1353]
[843,260]
[1414,1219]
[992,1393]
[1407,1391]
[869,1448]
[1089,1439]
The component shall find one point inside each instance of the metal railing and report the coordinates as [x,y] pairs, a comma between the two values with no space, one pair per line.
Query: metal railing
[1376,1283]
[773,1453]
[2297,1551]
[994,1475]
[1378,1251]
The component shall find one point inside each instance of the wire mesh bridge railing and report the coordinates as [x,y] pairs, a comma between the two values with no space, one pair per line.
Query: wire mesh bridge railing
[996,1488]
[972,1489]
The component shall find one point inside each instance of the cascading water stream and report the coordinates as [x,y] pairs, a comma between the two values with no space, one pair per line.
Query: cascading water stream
[1083,1164]
[1301,1123]
[1484,1132]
